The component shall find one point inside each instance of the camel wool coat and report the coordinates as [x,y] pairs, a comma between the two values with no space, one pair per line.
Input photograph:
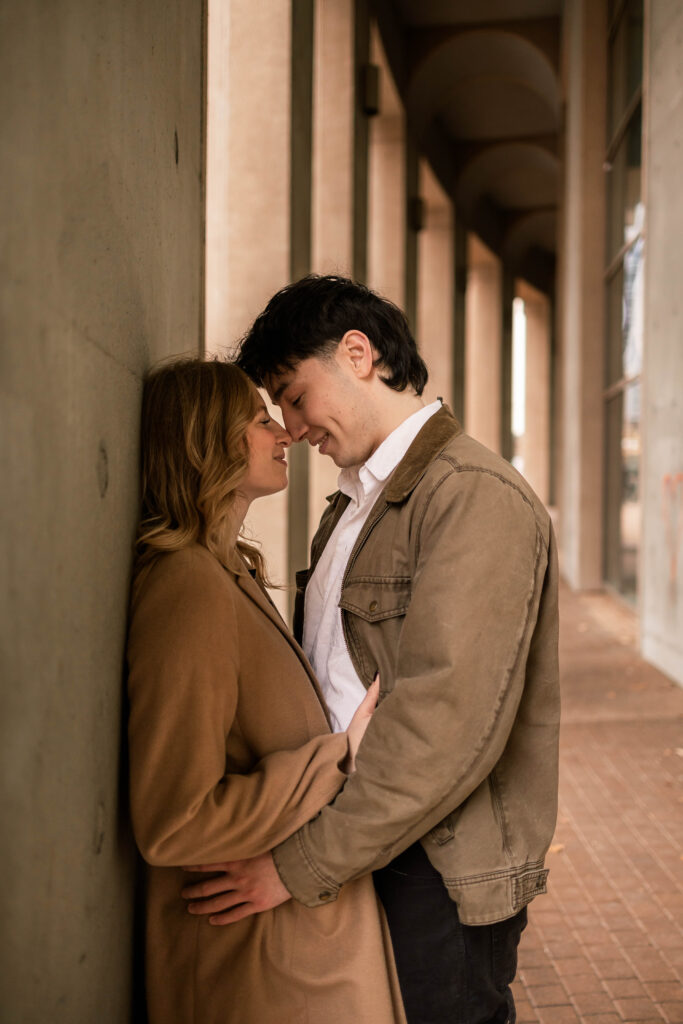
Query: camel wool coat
[230,753]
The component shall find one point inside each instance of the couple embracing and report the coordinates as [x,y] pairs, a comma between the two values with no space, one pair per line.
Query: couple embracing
[356,815]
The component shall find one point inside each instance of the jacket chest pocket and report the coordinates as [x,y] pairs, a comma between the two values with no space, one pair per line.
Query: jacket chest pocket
[373,609]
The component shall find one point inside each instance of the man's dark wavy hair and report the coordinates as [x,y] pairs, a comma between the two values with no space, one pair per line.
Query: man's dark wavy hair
[311,316]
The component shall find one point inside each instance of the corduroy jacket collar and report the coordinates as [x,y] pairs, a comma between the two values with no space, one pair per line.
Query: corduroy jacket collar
[429,443]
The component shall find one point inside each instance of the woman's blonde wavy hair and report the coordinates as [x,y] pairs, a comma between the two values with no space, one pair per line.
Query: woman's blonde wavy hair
[195,415]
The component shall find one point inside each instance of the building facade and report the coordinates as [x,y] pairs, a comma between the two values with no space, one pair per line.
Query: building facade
[508,173]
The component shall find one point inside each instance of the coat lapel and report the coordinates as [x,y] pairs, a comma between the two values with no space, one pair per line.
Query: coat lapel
[260,598]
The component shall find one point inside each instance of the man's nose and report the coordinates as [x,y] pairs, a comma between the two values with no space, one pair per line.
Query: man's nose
[295,426]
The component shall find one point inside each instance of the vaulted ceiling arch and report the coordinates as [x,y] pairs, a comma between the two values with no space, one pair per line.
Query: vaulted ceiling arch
[481,88]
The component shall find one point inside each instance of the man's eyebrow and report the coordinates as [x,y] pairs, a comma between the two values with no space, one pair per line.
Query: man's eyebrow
[277,394]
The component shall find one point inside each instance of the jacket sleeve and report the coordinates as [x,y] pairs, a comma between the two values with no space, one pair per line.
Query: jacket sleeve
[479,569]
[183,682]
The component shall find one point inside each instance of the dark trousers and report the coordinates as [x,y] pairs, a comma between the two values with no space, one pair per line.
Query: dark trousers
[450,973]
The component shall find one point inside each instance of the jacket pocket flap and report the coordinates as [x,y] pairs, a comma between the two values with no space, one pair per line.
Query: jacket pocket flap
[376,598]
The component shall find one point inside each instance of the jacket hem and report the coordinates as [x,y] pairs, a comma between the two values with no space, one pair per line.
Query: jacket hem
[496,895]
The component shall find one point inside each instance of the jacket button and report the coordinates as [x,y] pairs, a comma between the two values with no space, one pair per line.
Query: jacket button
[325,895]
[374,606]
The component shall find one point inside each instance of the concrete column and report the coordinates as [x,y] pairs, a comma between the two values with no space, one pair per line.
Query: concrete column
[387,189]
[300,217]
[558,360]
[582,264]
[554,413]
[333,180]
[483,341]
[333,148]
[507,298]
[535,443]
[361,142]
[661,569]
[414,213]
[435,291]
[248,242]
[458,340]
[101,270]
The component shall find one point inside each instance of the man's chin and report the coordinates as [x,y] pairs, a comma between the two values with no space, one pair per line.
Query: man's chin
[341,460]
[347,462]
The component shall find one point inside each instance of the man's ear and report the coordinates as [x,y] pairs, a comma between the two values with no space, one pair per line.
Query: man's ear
[356,349]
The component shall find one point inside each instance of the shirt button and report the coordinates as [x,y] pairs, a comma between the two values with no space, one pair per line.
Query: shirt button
[374,606]
[325,895]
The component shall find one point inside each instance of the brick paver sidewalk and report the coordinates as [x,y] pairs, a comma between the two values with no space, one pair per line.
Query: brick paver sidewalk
[606,944]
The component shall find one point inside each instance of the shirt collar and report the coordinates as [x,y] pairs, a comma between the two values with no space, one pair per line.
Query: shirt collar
[359,482]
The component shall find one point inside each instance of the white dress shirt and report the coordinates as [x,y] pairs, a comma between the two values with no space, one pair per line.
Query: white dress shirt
[323,639]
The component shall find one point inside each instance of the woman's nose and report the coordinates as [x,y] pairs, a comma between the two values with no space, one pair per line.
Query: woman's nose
[283,436]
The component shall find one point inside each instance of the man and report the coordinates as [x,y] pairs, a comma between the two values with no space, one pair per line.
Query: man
[433,565]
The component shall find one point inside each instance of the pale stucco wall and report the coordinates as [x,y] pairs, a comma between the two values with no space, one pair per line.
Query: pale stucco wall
[662,410]
[100,274]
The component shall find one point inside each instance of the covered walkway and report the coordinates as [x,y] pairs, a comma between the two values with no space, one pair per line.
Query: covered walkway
[605,945]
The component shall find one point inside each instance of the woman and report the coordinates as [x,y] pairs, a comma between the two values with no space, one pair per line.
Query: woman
[230,745]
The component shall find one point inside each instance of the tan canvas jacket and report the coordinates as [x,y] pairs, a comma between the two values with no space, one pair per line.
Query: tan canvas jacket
[451,593]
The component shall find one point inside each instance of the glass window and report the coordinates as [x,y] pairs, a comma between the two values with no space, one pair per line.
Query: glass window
[613,490]
[614,346]
[622,482]
[624,300]
[632,310]
[624,215]
[630,513]
[624,314]
[625,63]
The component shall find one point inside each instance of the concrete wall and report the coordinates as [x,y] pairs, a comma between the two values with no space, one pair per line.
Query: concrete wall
[100,273]
[662,471]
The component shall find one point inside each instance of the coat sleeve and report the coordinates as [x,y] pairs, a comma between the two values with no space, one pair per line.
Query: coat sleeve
[183,673]
[458,683]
